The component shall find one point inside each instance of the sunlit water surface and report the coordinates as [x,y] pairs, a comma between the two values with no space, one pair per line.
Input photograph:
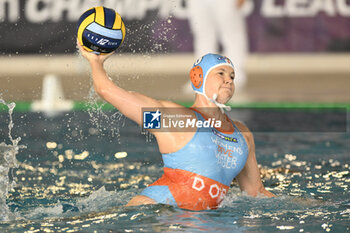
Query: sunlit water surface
[76,175]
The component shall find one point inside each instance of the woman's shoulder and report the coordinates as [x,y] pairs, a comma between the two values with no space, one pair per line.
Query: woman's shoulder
[178,108]
[170,104]
[241,126]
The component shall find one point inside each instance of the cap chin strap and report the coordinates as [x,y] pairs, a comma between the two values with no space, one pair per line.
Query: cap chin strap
[220,105]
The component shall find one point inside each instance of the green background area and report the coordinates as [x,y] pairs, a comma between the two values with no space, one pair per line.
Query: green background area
[81,106]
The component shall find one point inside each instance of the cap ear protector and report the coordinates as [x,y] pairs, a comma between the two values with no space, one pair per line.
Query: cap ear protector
[196,75]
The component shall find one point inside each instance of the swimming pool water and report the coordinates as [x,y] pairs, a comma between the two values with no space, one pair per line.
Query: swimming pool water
[76,175]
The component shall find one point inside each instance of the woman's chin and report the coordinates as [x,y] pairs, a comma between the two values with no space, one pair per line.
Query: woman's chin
[223,98]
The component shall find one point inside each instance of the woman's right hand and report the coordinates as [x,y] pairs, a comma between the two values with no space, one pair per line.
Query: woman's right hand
[92,57]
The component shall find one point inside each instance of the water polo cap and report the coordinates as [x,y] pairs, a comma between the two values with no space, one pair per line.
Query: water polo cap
[200,70]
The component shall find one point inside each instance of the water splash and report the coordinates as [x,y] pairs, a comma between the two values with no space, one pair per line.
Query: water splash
[97,202]
[8,161]
[148,135]
[155,42]
[104,122]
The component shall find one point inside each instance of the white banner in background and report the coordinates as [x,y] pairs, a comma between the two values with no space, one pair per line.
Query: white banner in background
[40,11]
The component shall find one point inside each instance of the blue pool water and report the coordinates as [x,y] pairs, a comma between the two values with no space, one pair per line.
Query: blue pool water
[78,170]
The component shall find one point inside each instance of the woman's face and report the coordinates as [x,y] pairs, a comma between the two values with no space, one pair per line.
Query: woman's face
[220,82]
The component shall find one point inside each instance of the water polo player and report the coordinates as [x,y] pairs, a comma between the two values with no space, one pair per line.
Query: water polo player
[200,165]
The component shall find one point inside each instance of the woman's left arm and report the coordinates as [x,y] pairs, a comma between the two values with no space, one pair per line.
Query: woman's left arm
[249,179]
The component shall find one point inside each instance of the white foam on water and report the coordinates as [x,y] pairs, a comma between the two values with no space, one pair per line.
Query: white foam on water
[98,201]
[44,212]
[8,161]
[102,199]
[95,200]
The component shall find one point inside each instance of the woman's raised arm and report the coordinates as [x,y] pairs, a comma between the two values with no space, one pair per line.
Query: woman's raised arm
[127,102]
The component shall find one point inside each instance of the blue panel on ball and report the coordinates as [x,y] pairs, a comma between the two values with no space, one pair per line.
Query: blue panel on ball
[98,29]
[109,17]
[101,41]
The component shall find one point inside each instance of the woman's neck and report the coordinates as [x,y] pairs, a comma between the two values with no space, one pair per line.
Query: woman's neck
[206,107]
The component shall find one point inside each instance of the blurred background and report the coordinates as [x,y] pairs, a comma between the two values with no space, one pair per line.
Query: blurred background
[286,53]
[297,51]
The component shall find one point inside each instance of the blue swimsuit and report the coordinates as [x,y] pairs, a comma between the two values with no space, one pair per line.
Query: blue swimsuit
[199,175]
